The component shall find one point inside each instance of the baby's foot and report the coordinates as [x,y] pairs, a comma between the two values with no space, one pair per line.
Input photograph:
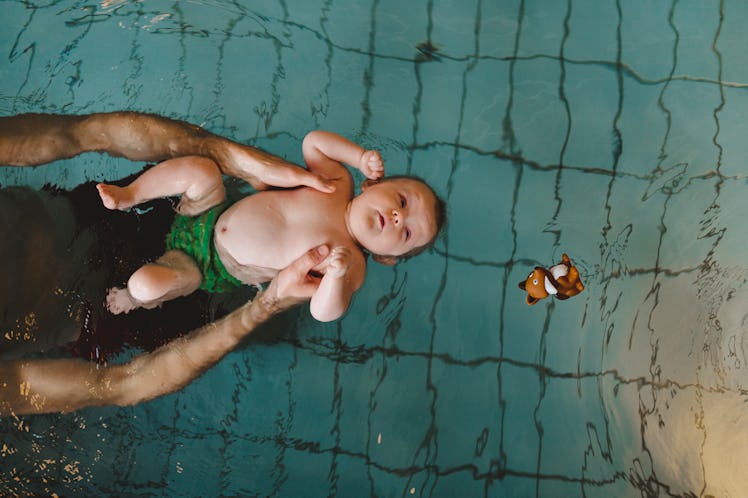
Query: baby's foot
[120,301]
[114,197]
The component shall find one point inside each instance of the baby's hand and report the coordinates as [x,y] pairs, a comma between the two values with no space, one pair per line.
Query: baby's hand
[371,165]
[338,262]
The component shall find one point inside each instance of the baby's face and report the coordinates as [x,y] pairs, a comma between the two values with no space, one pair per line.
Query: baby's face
[393,217]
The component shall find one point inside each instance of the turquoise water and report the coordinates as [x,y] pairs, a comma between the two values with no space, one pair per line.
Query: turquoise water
[612,131]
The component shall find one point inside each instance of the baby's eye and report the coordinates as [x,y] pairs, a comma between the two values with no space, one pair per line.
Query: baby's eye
[403,202]
[407,233]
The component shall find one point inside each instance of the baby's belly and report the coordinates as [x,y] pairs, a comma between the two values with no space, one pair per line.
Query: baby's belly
[251,233]
[265,232]
[250,274]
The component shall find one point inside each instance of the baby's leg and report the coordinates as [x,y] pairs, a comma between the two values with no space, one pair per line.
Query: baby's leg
[172,275]
[197,179]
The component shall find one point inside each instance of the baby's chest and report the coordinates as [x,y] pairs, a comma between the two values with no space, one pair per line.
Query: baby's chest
[271,237]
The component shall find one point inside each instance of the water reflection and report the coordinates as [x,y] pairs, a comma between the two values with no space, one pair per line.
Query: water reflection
[40,309]
[62,251]
[679,396]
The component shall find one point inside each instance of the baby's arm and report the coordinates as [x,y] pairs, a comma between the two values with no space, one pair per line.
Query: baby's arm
[336,288]
[323,149]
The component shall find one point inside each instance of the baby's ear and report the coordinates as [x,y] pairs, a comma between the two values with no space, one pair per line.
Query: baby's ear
[384,260]
[368,183]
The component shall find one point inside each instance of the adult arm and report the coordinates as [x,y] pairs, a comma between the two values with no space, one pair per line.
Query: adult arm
[33,139]
[54,385]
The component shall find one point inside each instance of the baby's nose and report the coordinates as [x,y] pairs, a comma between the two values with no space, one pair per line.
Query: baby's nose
[396,216]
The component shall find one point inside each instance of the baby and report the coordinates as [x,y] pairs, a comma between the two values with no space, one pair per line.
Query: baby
[218,246]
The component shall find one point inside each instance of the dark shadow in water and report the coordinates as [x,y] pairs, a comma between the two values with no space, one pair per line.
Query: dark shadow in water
[61,251]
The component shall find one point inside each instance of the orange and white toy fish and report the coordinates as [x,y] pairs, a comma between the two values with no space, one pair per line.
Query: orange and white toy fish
[561,280]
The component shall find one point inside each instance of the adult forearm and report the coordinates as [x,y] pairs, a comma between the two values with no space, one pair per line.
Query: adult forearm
[64,385]
[143,137]
[32,139]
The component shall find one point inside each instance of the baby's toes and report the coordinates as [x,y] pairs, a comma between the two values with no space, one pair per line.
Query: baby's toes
[105,193]
[119,301]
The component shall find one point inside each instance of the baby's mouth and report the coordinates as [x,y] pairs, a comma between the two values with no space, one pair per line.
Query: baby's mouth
[380,222]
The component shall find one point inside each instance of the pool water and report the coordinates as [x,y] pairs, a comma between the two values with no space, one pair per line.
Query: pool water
[609,130]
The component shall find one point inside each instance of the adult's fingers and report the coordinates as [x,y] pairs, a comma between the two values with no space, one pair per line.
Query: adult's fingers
[300,176]
[308,260]
[294,284]
[318,183]
[288,175]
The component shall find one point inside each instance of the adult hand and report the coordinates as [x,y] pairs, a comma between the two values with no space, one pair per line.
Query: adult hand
[262,170]
[292,286]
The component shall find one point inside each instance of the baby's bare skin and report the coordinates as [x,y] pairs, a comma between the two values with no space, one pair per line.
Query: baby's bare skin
[270,229]
[264,232]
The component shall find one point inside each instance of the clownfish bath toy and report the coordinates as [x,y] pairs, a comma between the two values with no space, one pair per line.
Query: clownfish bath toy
[561,280]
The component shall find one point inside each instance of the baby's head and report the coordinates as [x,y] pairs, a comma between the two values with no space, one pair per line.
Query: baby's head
[395,218]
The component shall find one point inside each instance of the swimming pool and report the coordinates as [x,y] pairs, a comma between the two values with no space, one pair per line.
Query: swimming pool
[611,131]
